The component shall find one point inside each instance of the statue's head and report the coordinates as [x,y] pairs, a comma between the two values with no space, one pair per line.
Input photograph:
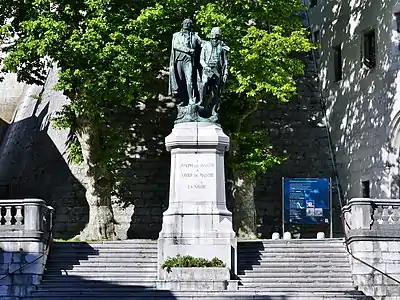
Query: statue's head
[187,24]
[215,35]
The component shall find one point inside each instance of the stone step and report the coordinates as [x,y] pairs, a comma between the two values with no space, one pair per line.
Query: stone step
[315,262]
[167,295]
[102,250]
[245,280]
[302,256]
[315,241]
[84,281]
[115,290]
[285,265]
[243,295]
[292,250]
[326,241]
[304,273]
[103,276]
[295,270]
[90,287]
[94,271]
[89,265]
[299,287]
[296,247]
[136,242]
[286,252]
[121,256]
[77,282]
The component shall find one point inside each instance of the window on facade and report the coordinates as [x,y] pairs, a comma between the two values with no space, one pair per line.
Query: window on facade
[365,189]
[313,3]
[317,36]
[337,61]
[369,51]
[397,18]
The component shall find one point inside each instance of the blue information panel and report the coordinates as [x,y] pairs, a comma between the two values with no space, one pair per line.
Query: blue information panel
[306,200]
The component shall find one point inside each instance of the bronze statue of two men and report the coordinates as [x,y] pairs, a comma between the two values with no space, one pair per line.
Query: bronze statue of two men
[197,69]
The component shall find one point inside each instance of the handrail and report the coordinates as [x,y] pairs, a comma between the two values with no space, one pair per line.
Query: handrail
[333,159]
[49,238]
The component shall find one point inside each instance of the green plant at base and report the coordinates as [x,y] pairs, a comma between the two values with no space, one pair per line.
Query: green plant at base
[188,261]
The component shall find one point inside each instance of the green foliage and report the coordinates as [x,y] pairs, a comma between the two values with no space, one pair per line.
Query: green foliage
[188,261]
[254,155]
[111,54]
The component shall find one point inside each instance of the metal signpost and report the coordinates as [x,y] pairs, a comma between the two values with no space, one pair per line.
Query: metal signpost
[307,201]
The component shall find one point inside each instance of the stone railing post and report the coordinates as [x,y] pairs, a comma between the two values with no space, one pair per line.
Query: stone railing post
[34,214]
[358,213]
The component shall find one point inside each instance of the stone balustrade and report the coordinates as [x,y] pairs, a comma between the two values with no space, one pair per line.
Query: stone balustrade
[372,218]
[25,226]
[372,229]
[25,218]
[12,216]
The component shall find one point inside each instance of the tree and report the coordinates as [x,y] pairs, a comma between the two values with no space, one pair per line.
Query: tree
[109,55]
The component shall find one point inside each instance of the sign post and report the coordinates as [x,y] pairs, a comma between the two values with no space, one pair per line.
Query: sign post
[307,201]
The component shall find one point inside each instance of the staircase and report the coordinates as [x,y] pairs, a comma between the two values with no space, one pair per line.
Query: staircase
[310,266]
[268,270]
[103,269]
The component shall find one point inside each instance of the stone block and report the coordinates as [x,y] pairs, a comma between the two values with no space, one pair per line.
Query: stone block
[197,279]
[3,290]
[194,274]
[4,268]
[275,236]
[287,236]
[368,246]
[192,285]
[394,247]
[392,267]
[359,268]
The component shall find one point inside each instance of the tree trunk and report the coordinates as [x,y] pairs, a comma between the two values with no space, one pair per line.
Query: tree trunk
[98,187]
[244,216]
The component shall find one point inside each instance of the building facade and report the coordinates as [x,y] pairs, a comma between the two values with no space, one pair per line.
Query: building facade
[360,85]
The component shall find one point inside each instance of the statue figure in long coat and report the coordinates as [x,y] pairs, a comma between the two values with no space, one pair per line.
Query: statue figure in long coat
[184,64]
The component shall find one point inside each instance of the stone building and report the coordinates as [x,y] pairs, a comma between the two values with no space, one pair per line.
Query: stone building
[359,72]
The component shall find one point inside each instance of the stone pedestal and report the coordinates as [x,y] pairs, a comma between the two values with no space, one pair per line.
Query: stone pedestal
[197,222]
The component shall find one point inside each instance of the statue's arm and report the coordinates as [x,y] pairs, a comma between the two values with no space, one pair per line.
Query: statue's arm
[199,40]
[177,46]
[225,63]
[202,57]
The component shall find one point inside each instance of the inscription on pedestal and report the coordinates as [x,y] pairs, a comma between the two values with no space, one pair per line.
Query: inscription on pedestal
[197,174]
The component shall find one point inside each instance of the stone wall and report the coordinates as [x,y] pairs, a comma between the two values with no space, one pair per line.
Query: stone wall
[298,132]
[10,92]
[3,128]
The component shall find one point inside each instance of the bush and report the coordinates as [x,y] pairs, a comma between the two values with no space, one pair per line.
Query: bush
[188,261]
